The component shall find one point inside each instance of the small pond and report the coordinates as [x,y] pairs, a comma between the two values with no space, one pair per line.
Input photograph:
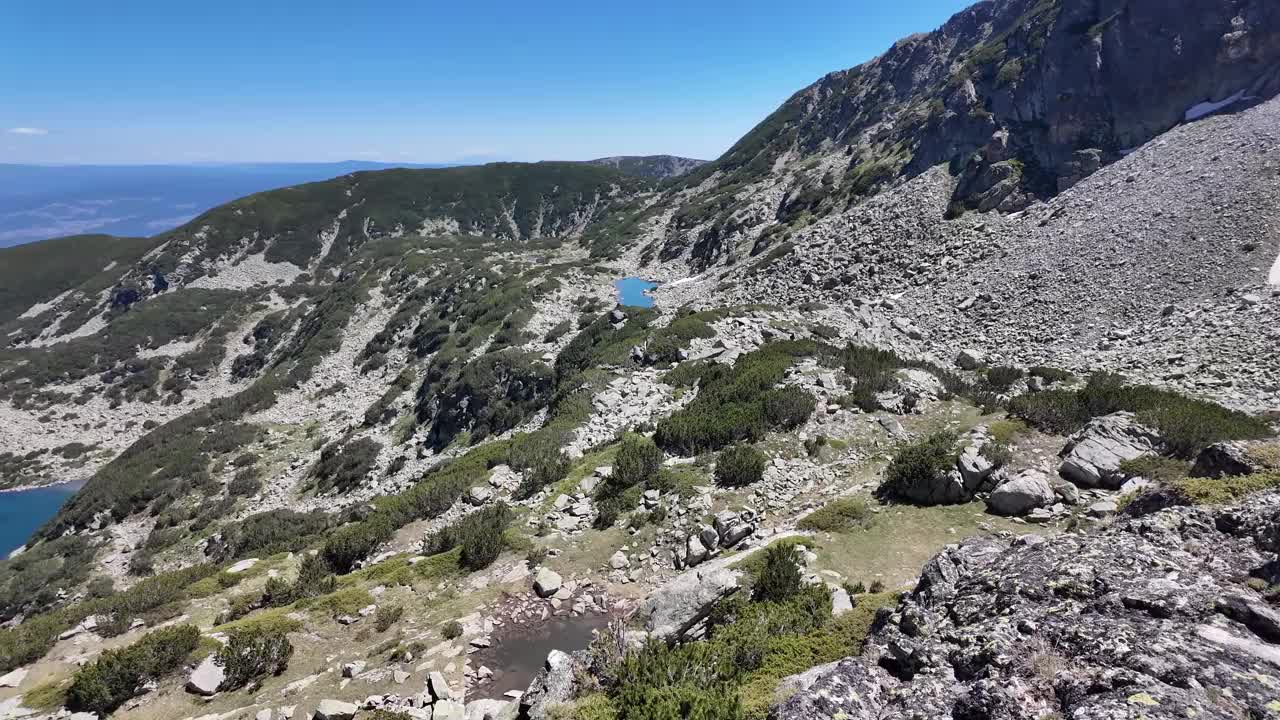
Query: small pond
[519,652]
[632,292]
[23,511]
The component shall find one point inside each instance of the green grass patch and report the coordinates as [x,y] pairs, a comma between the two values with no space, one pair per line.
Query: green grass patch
[270,620]
[1224,491]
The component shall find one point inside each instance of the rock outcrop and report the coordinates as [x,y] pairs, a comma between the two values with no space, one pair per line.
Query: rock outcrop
[1149,617]
[677,610]
[1093,455]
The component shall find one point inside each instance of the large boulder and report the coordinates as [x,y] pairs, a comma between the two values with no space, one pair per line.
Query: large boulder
[970,359]
[438,686]
[1022,493]
[1093,455]
[335,710]
[553,686]
[206,678]
[974,469]
[676,610]
[546,582]
[490,710]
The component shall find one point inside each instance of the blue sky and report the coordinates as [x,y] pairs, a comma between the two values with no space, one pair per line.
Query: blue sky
[140,81]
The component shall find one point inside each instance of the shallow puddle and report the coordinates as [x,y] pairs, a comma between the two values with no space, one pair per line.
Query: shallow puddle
[519,652]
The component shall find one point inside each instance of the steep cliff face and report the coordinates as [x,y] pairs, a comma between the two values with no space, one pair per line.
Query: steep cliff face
[1154,617]
[1020,98]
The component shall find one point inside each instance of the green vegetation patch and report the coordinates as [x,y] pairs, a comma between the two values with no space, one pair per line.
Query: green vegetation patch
[1186,425]
[843,515]
[731,402]
[119,675]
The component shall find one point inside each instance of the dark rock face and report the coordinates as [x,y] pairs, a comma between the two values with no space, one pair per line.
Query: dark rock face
[1022,99]
[1150,617]
[124,297]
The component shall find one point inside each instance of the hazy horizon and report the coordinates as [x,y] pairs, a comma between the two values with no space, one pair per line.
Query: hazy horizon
[157,83]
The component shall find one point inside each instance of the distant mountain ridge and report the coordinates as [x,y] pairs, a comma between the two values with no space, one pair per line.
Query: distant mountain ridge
[651,166]
[45,201]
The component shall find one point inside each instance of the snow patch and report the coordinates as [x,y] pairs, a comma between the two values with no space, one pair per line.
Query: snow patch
[1199,110]
[1273,278]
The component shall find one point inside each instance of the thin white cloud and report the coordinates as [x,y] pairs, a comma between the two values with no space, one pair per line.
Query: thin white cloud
[28,131]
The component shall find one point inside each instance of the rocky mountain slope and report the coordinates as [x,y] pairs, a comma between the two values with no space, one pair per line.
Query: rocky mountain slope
[1019,98]
[392,420]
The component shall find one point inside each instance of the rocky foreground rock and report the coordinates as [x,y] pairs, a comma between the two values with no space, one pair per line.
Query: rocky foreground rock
[1156,617]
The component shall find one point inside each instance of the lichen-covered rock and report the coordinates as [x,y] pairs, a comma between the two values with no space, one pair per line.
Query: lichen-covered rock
[1147,617]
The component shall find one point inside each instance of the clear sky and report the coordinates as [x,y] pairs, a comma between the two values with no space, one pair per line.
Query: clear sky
[147,81]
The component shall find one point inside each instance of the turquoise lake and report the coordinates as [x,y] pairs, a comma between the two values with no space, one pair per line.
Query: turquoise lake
[23,511]
[631,292]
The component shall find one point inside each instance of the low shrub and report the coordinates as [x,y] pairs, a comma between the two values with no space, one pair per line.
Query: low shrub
[344,466]
[787,408]
[918,464]
[1005,431]
[739,466]
[252,654]
[120,675]
[1001,378]
[387,616]
[730,406]
[451,630]
[1186,425]
[1155,467]
[779,578]
[837,516]
[637,462]
[479,535]
[1224,490]
[315,578]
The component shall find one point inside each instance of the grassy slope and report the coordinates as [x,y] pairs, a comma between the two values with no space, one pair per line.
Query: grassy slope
[38,271]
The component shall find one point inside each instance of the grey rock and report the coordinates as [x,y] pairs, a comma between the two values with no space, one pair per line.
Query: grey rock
[841,603]
[438,686]
[974,469]
[554,685]
[13,678]
[677,610]
[448,710]
[546,582]
[1021,494]
[970,359]
[490,710]
[1093,455]
[1224,459]
[335,710]
[992,624]
[206,678]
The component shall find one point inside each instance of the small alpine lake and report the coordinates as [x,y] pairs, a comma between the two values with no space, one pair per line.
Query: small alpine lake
[23,511]
[633,292]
